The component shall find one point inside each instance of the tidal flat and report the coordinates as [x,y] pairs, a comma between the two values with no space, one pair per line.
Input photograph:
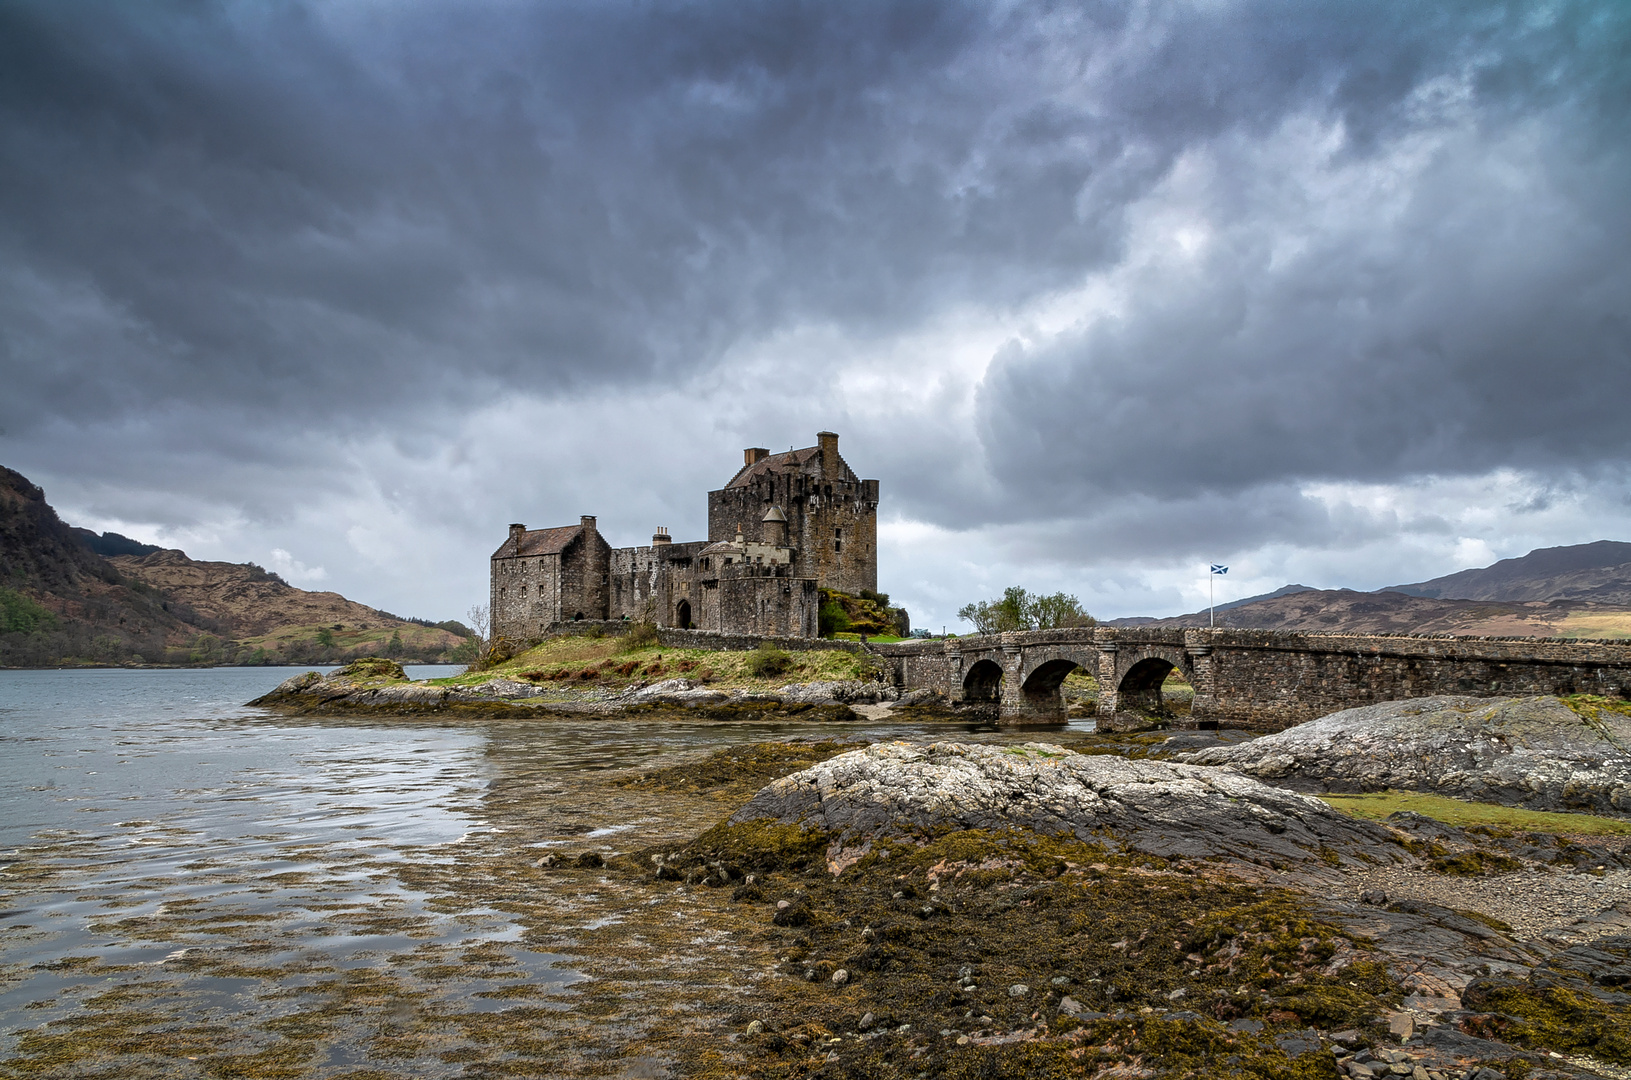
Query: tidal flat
[193,888]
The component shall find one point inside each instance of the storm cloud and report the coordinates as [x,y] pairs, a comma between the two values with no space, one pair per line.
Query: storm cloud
[1097,290]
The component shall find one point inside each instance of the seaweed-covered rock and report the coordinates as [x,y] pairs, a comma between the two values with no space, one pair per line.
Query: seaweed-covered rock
[1534,752]
[1155,807]
[371,667]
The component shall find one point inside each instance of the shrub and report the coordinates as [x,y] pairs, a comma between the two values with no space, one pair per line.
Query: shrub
[642,635]
[767,661]
[833,618]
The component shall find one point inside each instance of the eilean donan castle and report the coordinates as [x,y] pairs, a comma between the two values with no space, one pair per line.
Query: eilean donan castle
[783,528]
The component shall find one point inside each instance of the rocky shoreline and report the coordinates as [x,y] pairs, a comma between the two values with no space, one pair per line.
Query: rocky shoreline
[972,910]
[380,688]
[1541,752]
[1126,906]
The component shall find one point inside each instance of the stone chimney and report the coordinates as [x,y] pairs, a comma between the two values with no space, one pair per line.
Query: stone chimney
[754,454]
[828,442]
[516,529]
[660,538]
[587,521]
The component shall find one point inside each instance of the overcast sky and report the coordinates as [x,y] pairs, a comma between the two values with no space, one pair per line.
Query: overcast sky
[1336,293]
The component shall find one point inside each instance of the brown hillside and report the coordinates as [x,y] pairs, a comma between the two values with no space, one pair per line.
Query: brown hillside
[1343,610]
[94,612]
[248,602]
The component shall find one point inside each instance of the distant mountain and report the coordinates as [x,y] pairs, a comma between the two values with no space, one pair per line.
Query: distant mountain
[72,596]
[247,601]
[1146,620]
[1599,572]
[1578,591]
[58,598]
[1347,611]
[1284,590]
[109,544]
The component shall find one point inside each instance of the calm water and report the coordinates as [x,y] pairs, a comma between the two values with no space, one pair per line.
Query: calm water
[156,835]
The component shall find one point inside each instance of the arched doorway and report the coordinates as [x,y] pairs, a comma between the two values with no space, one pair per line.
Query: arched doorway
[982,688]
[682,614]
[1155,688]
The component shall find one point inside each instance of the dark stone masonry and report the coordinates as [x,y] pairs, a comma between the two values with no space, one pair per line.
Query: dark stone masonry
[1247,678]
[785,527]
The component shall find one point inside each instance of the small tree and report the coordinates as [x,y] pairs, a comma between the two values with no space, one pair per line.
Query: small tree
[394,647]
[1020,610]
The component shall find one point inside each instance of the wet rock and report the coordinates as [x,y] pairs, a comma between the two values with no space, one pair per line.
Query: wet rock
[590,860]
[1018,990]
[1533,752]
[1070,1006]
[1157,807]
[850,692]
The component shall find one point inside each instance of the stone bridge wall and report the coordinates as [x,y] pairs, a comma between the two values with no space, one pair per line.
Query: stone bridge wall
[1254,678]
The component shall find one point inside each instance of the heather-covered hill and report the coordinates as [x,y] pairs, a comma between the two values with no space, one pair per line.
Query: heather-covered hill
[1583,591]
[1347,611]
[63,600]
[1599,573]
[59,599]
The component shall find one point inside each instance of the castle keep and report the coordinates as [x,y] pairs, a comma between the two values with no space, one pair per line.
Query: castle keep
[783,528]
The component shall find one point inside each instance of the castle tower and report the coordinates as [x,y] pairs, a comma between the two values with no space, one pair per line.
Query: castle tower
[831,514]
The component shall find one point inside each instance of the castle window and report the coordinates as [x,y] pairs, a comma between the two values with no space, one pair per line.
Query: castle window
[838,545]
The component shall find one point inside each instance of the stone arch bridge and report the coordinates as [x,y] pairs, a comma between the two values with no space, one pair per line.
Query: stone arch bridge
[1245,678]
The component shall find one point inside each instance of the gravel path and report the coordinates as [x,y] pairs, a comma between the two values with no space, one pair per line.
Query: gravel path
[1537,904]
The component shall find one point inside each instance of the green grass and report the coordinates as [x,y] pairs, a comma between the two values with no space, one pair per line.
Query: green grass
[586,663]
[1378,805]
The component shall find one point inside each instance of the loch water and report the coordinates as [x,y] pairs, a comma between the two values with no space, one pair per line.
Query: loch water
[181,873]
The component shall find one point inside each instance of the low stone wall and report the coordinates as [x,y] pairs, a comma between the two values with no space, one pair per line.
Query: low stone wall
[701,639]
[588,628]
[708,639]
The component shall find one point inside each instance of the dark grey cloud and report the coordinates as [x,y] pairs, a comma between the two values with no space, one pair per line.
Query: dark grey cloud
[245,246]
[284,202]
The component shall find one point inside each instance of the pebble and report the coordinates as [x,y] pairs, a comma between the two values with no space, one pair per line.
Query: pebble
[1018,990]
[840,977]
[866,1021]
[782,905]
[756,1028]
[1533,903]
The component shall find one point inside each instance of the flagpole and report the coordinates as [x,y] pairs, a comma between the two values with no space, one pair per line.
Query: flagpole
[1210,621]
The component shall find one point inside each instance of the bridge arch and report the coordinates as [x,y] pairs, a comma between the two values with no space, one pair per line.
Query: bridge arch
[1141,673]
[982,686]
[1042,688]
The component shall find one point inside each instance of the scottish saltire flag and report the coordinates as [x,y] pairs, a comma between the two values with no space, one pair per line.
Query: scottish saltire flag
[1219,569]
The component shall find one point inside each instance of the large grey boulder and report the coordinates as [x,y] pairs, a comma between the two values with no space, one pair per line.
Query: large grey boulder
[1156,807]
[1533,752]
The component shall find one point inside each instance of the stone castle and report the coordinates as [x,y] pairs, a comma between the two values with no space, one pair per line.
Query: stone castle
[785,527]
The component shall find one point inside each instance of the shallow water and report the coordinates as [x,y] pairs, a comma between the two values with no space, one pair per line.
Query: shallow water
[172,859]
